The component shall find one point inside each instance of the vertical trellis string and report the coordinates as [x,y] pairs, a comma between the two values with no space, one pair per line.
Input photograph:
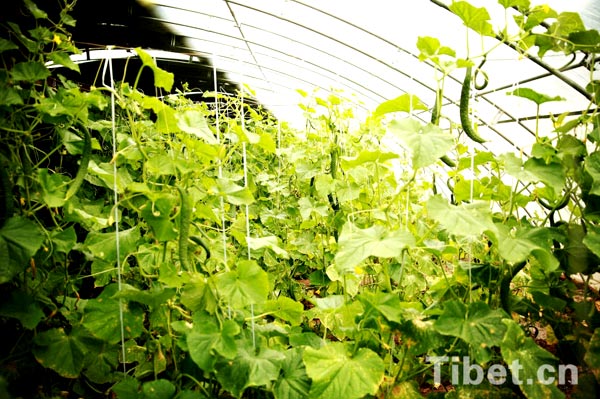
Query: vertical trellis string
[220,171]
[245,166]
[116,196]
[220,167]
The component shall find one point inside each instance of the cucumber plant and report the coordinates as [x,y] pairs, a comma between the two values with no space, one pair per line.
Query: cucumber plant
[331,270]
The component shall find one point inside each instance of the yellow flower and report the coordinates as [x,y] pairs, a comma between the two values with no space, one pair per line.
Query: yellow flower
[57,39]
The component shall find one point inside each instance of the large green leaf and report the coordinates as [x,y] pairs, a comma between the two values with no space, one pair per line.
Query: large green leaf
[61,352]
[337,374]
[231,192]
[162,78]
[249,369]
[475,323]
[30,71]
[535,170]
[192,121]
[404,103]
[159,389]
[464,220]
[476,18]
[102,317]
[517,246]
[271,242]
[592,167]
[20,239]
[336,315]
[427,143]
[247,284]
[158,216]
[525,358]
[207,342]
[103,249]
[532,95]
[23,307]
[366,156]
[54,187]
[286,309]
[293,383]
[381,304]
[356,245]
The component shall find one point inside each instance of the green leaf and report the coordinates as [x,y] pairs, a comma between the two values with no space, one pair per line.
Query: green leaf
[102,317]
[592,356]
[356,245]
[271,242]
[248,284]
[60,58]
[158,389]
[337,374]
[103,246]
[22,307]
[592,241]
[63,240]
[207,342]
[9,96]
[476,18]
[592,167]
[234,194]
[34,10]
[419,336]
[192,121]
[464,220]
[158,216]
[249,369]
[404,103]
[524,358]
[517,246]
[475,323]
[6,45]
[30,71]
[308,207]
[534,96]
[20,239]
[162,78]
[430,47]
[61,352]
[128,388]
[588,41]
[535,170]
[54,187]
[378,304]
[336,315]
[522,4]
[367,156]
[427,143]
[286,309]
[293,383]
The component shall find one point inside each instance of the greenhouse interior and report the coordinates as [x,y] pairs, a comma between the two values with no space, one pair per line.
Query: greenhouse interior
[288,199]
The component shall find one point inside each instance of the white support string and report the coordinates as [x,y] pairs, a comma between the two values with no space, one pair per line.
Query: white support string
[245,165]
[109,64]
[220,168]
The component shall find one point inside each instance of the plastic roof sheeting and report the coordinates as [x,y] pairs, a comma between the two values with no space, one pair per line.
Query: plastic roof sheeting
[368,49]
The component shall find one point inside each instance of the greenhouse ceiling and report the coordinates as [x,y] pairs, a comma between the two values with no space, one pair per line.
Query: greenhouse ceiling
[368,50]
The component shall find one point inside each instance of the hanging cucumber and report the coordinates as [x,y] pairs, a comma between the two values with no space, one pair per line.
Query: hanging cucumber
[84,162]
[185,219]
[199,241]
[435,120]
[465,121]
